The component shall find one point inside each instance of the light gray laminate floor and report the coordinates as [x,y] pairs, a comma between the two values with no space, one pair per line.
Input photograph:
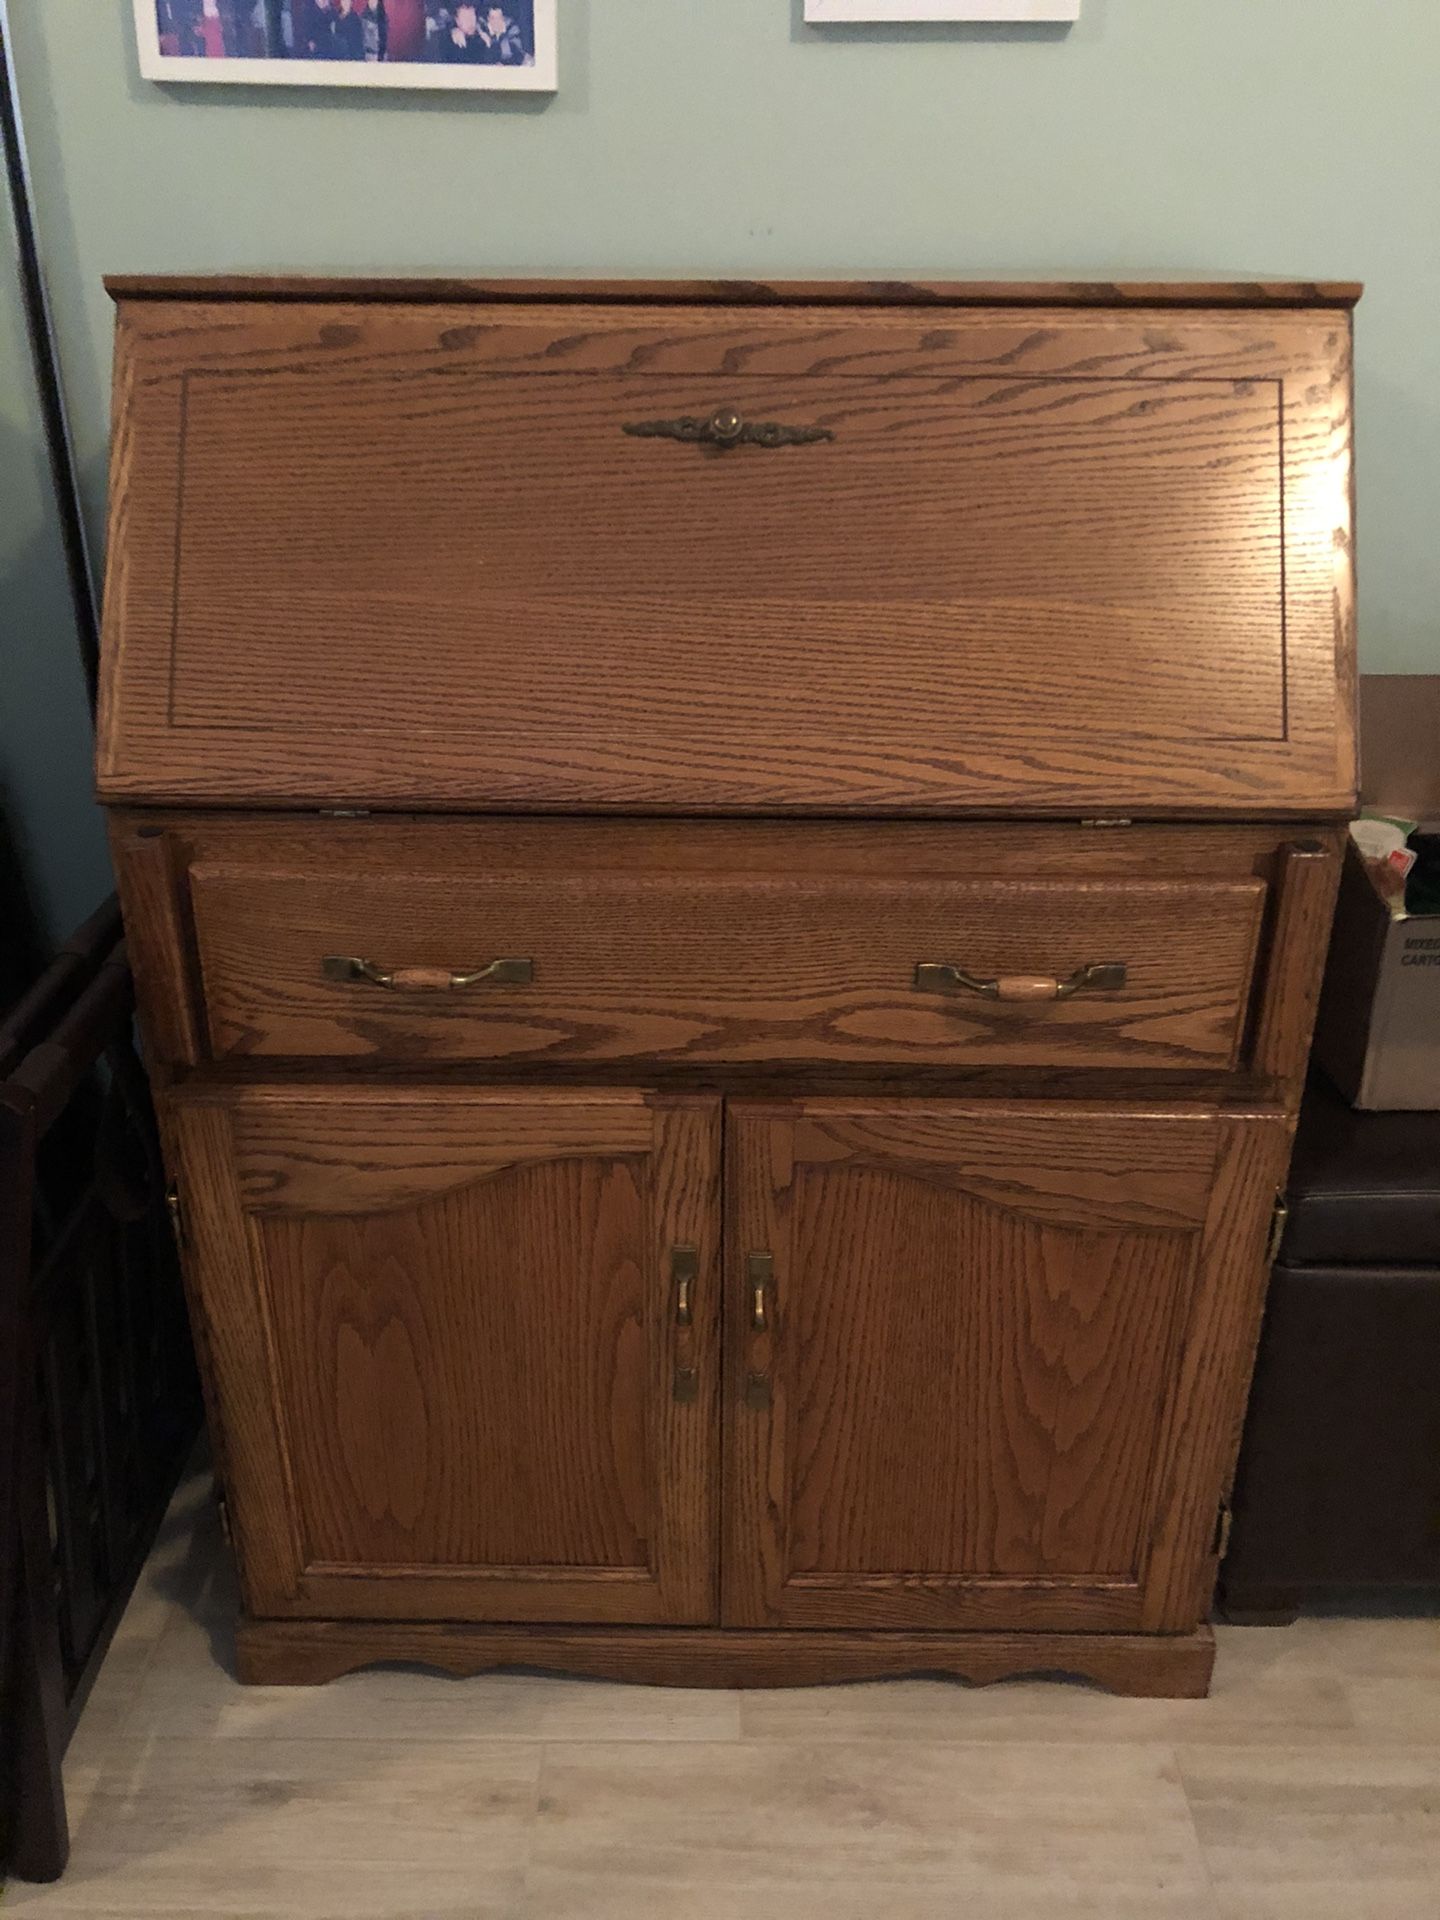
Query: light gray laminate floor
[1306,1788]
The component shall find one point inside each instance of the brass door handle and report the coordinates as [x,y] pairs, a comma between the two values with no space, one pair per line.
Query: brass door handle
[685,1270]
[760,1268]
[726,427]
[1101,977]
[344,967]
[760,1272]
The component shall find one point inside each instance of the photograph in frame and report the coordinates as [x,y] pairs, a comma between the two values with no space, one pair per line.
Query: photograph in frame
[351,43]
[897,11]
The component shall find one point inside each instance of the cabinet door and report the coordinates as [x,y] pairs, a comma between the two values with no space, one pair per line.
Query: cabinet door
[986,1366]
[454,1373]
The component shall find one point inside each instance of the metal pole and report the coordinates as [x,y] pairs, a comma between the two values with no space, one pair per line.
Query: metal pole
[41,330]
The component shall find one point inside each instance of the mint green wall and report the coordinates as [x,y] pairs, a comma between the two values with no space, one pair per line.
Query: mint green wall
[45,787]
[723,136]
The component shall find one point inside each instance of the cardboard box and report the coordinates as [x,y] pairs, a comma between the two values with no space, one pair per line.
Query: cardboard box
[1378,1035]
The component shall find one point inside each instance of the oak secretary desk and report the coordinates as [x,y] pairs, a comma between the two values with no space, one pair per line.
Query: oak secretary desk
[728,884]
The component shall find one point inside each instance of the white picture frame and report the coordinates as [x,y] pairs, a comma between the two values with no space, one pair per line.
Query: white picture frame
[534,70]
[820,11]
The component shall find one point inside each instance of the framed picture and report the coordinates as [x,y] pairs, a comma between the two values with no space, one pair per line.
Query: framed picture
[942,10]
[351,43]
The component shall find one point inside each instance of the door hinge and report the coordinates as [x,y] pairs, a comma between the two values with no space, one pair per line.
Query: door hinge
[1108,820]
[222,1507]
[177,1217]
[1224,1521]
[344,813]
[1279,1220]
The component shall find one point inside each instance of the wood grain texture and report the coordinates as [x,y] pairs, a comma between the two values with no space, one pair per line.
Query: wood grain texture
[310,1149]
[976,1325]
[759,967]
[388,843]
[445,1351]
[1138,1087]
[234,1350]
[371,851]
[933,528]
[1206,1405]
[1073,553]
[891,641]
[1309,880]
[279,1653]
[152,898]
[1093,291]
[371,854]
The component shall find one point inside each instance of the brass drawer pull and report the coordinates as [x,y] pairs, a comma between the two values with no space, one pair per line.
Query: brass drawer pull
[726,427]
[425,979]
[1102,977]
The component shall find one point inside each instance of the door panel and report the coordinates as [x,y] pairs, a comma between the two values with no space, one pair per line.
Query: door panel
[938,515]
[968,1402]
[1056,560]
[390,1304]
[1031,1460]
[445,1346]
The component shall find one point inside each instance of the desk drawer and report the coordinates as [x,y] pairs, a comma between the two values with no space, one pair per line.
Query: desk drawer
[729,966]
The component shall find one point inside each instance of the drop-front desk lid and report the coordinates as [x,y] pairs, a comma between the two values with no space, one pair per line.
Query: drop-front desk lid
[910,548]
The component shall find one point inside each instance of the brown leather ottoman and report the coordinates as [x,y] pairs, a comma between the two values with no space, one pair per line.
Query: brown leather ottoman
[1339,1476]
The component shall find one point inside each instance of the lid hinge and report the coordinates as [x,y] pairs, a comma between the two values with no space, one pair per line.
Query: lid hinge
[176,1213]
[1224,1522]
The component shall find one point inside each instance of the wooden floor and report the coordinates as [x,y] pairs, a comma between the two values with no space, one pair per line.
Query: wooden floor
[1306,1788]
